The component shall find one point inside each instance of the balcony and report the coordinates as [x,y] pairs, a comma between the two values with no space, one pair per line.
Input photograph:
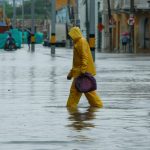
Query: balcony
[139,4]
[124,5]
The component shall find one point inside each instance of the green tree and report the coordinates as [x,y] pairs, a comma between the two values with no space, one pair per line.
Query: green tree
[9,9]
[42,9]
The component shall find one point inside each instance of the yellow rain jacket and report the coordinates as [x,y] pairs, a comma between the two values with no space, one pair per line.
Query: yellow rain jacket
[82,57]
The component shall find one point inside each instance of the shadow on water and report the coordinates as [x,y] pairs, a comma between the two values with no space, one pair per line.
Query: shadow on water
[81,120]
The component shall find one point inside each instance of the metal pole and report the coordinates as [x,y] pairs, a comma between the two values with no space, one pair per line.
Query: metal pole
[68,23]
[53,27]
[92,28]
[4,15]
[14,14]
[68,6]
[87,19]
[131,28]
[77,14]
[110,28]
[22,21]
[99,32]
[33,25]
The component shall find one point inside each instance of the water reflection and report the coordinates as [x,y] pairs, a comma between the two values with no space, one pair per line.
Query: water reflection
[81,120]
[32,77]
[52,79]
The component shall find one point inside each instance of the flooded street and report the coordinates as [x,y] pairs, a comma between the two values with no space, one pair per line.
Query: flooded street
[34,91]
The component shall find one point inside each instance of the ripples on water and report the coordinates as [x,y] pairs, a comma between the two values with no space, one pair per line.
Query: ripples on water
[33,94]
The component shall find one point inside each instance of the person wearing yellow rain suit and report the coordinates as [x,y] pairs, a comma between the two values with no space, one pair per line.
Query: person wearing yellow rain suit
[82,62]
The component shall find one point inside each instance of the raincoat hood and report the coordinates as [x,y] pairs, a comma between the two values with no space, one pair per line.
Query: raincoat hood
[75,33]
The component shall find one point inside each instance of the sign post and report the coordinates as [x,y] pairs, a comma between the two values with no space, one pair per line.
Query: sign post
[131,27]
[53,28]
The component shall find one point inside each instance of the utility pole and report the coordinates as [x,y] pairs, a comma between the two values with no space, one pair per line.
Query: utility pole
[110,28]
[77,14]
[92,28]
[53,27]
[87,19]
[14,14]
[68,7]
[4,15]
[68,18]
[33,26]
[22,21]
[99,24]
[131,28]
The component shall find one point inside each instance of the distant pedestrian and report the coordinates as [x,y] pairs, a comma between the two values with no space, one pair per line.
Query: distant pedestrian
[29,39]
[125,40]
[10,43]
[10,40]
[82,63]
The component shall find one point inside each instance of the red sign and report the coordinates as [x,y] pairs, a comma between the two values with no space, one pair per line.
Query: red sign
[100,27]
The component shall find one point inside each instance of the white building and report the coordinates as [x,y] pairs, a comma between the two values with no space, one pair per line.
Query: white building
[101,17]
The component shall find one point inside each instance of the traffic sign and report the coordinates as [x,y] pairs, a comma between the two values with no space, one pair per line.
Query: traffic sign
[112,21]
[131,21]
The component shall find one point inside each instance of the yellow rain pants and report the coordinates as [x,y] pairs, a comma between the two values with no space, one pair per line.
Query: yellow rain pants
[75,96]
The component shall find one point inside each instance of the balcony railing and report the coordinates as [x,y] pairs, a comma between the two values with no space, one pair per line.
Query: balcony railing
[125,4]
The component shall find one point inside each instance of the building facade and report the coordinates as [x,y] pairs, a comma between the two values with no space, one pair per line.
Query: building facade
[140,24]
[84,17]
[102,34]
[121,12]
